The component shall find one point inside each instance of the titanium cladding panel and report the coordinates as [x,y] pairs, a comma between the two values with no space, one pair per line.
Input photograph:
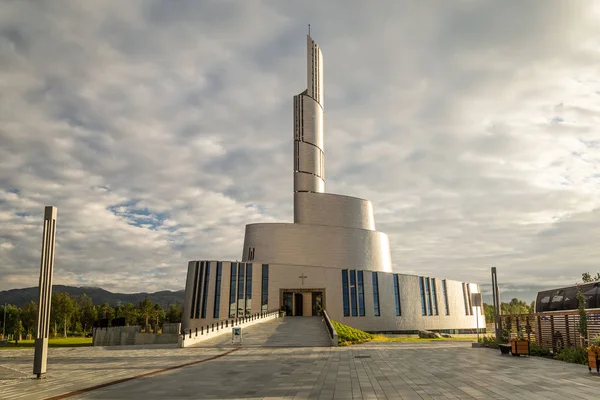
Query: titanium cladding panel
[333,210]
[318,245]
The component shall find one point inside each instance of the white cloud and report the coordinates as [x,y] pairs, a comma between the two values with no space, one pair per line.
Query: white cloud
[160,129]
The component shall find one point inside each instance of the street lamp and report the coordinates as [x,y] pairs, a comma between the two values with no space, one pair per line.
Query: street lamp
[4,325]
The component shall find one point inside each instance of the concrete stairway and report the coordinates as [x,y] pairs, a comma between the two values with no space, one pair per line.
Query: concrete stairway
[280,332]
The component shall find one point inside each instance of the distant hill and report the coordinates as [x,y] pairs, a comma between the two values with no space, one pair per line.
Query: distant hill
[19,297]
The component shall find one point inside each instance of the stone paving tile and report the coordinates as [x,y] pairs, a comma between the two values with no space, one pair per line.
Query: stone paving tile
[79,367]
[449,370]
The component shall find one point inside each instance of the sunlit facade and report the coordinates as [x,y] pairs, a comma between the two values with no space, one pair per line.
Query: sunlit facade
[331,257]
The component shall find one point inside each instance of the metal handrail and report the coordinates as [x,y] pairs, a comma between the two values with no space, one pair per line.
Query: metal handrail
[332,332]
[226,323]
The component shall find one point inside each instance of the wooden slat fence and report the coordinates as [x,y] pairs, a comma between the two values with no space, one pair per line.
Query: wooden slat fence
[553,330]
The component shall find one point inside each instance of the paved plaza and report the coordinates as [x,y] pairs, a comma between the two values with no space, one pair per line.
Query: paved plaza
[439,370]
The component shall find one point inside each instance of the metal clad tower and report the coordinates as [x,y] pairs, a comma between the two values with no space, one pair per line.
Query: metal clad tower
[309,159]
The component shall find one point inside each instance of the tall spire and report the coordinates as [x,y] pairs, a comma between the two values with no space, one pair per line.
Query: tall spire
[309,159]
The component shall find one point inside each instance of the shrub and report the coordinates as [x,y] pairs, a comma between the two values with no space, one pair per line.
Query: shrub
[574,355]
[489,341]
[506,328]
[538,351]
[348,335]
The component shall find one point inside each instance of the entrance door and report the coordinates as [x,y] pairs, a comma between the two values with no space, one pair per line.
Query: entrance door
[298,304]
[288,303]
[317,303]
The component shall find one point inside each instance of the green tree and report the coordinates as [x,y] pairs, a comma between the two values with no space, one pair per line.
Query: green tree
[488,310]
[174,313]
[12,318]
[105,311]
[515,306]
[88,313]
[29,317]
[587,278]
[62,308]
[18,330]
[582,314]
[158,315]
[130,313]
[146,310]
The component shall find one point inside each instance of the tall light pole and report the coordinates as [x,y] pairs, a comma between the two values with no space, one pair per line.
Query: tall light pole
[4,325]
[46,271]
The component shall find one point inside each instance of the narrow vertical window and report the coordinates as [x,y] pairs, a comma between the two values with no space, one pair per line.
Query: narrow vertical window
[248,289]
[469,298]
[465,298]
[345,293]
[264,290]
[240,305]
[423,304]
[199,294]
[376,295]
[353,293]
[232,293]
[434,292]
[194,291]
[205,290]
[397,295]
[445,294]
[428,293]
[217,290]
[361,294]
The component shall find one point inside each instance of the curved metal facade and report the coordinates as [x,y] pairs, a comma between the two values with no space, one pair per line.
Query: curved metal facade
[333,210]
[318,245]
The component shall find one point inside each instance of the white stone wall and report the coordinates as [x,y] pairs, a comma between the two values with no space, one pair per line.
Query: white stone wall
[330,279]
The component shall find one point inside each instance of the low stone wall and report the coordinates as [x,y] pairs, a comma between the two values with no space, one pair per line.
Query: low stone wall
[172,328]
[130,335]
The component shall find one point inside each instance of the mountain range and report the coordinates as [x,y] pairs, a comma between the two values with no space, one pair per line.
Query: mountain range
[19,297]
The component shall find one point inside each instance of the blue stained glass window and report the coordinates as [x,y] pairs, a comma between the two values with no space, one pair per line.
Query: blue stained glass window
[428,294]
[232,293]
[240,306]
[376,295]
[264,307]
[218,290]
[205,291]
[345,293]
[353,304]
[434,291]
[199,293]
[397,295]
[361,294]
[423,304]
[195,277]
[248,289]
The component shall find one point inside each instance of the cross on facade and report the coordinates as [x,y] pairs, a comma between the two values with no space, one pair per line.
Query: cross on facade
[303,277]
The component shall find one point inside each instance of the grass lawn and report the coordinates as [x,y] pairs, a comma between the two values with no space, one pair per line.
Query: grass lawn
[348,335]
[57,342]
[382,338]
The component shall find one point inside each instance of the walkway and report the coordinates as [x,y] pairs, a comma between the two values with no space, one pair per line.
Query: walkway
[438,370]
[279,332]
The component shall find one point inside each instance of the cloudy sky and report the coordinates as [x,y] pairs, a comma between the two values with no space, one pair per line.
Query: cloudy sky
[159,129]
